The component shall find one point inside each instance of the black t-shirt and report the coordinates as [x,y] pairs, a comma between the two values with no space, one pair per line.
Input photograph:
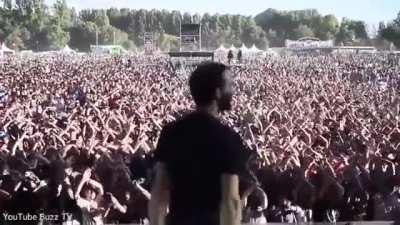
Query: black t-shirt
[197,150]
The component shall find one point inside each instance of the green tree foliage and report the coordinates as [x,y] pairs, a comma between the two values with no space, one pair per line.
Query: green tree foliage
[108,33]
[328,27]
[30,24]
[57,38]
[345,34]
[62,14]
[128,45]
[282,25]
[391,32]
[358,27]
[397,20]
[303,31]
[18,38]
[83,35]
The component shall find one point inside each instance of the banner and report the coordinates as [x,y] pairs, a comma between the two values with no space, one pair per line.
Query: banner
[308,44]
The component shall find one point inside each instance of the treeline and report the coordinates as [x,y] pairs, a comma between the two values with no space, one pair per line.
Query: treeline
[282,25]
[391,31]
[30,24]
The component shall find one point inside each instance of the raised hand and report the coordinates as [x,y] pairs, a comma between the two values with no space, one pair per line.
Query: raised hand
[87,174]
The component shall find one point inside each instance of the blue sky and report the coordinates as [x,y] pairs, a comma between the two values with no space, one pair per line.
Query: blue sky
[370,11]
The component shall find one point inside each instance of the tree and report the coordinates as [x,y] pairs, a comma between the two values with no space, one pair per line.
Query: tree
[253,34]
[196,18]
[57,38]
[345,34]
[381,27]
[396,21]
[87,15]
[128,45]
[29,24]
[115,18]
[25,7]
[18,38]
[392,34]
[101,18]
[8,4]
[282,25]
[303,31]
[187,18]
[274,40]
[176,21]
[83,35]
[292,24]
[359,28]
[107,34]
[237,21]
[328,28]
[63,15]
[140,28]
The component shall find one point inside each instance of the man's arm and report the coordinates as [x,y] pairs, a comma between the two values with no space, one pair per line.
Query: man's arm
[246,194]
[143,191]
[158,205]
[96,185]
[230,209]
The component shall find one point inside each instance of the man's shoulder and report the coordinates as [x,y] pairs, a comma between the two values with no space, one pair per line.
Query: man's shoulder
[229,131]
[190,117]
[195,118]
[180,121]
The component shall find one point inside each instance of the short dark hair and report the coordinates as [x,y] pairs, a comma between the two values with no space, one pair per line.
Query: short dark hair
[205,80]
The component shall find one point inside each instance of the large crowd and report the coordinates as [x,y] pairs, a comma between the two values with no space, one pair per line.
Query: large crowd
[77,134]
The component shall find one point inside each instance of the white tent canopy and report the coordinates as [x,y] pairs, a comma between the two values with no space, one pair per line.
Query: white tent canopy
[221,49]
[232,48]
[244,48]
[255,49]
[67,49]
[5,51]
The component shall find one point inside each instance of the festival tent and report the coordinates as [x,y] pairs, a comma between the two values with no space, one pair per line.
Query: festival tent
[67,49]
[254,49]
[244,48]
[6,51]
[232,48]
[392,47]
[221,49]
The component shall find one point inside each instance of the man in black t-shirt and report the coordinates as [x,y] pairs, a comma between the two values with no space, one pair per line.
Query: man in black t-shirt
[199,159]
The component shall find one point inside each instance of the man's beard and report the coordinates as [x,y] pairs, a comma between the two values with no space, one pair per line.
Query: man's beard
[225,103]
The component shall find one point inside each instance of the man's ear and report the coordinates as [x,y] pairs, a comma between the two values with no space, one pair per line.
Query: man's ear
[218,93]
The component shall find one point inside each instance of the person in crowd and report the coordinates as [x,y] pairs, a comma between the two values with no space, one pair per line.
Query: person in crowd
[230,56]
[239,56]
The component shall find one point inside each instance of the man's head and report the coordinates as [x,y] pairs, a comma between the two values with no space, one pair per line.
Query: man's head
[212,83]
